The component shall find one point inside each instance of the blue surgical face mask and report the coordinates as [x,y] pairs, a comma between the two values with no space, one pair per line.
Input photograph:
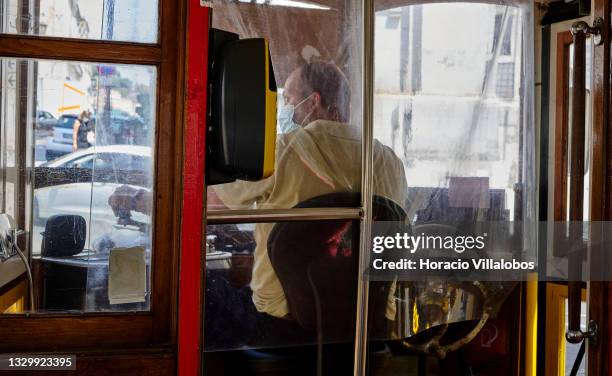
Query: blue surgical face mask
[285,117]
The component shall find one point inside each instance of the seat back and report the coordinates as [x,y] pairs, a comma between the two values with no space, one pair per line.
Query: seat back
[317,265]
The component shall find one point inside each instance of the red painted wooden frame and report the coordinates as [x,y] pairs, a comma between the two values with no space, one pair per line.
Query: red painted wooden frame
[193,210]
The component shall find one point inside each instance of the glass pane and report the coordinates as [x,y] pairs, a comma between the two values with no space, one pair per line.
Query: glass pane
[571,349]
[284,300]
[318,75]
[452,101]
[588,131]
[124,20]
[77,143]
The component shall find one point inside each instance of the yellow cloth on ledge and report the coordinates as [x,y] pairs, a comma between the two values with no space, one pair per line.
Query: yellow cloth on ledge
[127,275]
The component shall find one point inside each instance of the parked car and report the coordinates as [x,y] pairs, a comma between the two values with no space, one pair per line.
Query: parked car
[126,128]
[61,141]
[45,120]
[116,157]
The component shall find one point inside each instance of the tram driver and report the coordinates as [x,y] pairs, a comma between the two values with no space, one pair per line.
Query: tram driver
[318,152]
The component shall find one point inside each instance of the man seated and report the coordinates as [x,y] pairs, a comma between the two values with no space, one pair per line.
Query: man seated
[318,152]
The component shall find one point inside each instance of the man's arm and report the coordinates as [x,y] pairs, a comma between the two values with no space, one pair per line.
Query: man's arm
[213,201]
[225,196]
[239,194]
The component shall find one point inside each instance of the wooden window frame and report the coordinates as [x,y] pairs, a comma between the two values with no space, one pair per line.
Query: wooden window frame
[564,41]
[110,331]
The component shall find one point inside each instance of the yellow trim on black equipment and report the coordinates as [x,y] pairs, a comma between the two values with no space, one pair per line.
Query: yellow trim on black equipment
[270,138]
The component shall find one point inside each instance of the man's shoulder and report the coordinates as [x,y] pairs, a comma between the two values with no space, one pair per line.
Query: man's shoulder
[334,129]
[383,151]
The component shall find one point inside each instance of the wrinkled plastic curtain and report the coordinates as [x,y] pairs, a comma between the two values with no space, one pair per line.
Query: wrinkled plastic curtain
[453,98]
[301,32]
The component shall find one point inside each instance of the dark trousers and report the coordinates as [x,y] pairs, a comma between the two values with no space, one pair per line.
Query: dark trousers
[231,320]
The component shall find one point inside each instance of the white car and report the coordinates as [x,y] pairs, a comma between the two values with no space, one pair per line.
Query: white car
[116,157]
[89,200]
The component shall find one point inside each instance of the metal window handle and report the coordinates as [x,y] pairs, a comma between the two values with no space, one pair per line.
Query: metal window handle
[580,30]
[581,27]
[577,336]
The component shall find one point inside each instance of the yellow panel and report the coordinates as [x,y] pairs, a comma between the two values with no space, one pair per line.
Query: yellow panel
[17,307]
[270,139]
[13,300]
[531,326]
[555,328]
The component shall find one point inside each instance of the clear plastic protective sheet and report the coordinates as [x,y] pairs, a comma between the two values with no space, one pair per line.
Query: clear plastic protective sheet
[316,52]
[453,98]
[315,49]
[453,144]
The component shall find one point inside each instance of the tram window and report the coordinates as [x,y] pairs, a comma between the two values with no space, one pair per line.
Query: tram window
[317,70]
[449,106]
[561,98]
[567,106]
[132,21]
[93,169]
[254,277]
[448,102]
[281,295]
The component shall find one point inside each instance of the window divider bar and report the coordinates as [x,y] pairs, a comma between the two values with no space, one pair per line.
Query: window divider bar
[367,161]
[216,217]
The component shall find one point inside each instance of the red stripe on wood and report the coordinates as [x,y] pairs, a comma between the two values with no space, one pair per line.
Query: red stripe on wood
[190,284]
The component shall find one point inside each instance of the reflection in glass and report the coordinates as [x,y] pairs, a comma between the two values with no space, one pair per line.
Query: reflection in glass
[572,349]
[448,105]
[123,20]
[452,100]
[310,268]
[252,285]
[588,130]
[81,181]
[294,284]
[317,69]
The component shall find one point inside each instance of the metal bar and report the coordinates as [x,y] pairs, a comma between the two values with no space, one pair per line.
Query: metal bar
[367,61]
[217,217]
[543,194]
[576,189]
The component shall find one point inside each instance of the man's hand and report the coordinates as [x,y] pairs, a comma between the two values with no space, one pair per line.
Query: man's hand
[126,198]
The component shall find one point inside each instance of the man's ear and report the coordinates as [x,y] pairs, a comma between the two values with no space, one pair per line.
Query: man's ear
[316,99]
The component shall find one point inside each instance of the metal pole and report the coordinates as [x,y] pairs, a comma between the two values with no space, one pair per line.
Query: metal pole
[576,184]
[367,61]
[576,188]
[215,217]
[108,137]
